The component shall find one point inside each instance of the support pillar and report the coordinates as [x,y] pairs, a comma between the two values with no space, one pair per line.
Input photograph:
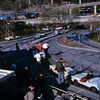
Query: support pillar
[91,27]
[70,11]
[51,2]
[95,9]
[80,1]
[29,2]
[20,6]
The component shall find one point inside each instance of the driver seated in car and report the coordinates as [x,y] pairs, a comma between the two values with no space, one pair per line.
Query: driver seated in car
[87,77]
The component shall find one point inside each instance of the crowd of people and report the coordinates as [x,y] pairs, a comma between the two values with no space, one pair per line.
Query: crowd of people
[37,91]
[60,67]
[35,87]
[39,51]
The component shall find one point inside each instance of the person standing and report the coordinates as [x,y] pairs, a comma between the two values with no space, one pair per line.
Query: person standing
[30,94]
[28,47]
[38,46]
[26,76]
[19,75]
[17,49]
[65,64]
[59,96]
[41,84]
[60,70]
[45,47]
[37,56]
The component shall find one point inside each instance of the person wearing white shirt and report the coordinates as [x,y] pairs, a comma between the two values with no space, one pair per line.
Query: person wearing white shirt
[38,57]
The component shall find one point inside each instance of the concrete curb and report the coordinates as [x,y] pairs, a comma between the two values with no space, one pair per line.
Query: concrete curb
[77,48]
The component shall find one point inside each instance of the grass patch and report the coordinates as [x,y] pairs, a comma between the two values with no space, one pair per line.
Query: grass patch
[70,42]
[95,39]
[94,36]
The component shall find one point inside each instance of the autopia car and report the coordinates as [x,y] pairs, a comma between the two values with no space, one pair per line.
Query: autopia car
[92,84]
[9,38]
[67,70]
[39,35]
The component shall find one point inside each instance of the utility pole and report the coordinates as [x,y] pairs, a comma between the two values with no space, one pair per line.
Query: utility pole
[7,30]
[51,2]
[80,1]
[80,66]
[29,1]
[19,2]
[61,1]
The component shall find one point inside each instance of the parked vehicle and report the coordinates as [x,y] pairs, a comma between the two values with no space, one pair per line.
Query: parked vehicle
[91,83]
[37,36]
[53,69]
[45,29]
[17,37]
[58,30]
[9,38]
[73,35]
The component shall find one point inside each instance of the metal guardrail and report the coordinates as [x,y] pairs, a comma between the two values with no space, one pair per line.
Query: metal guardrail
[73,94]
[20,41]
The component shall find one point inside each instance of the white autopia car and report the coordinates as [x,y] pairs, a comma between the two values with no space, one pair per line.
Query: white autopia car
[91,83]
[9,38]
[67,69]
[17,37]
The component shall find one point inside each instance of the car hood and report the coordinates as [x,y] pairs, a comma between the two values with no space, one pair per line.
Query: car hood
[80,75]
[94,80]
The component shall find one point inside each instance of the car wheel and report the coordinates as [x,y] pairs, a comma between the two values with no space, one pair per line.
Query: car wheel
[93,89]
[75,82]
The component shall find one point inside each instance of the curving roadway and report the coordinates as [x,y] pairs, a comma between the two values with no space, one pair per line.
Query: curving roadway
[87,58]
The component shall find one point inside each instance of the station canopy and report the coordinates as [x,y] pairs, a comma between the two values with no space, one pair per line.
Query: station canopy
[9,15]
[13,15]
[85,33]
[72,35]
[98,29]
[5,74]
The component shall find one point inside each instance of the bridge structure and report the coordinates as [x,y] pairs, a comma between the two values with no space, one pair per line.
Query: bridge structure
[64,7]
[77,19]
[67,7]
[71,6]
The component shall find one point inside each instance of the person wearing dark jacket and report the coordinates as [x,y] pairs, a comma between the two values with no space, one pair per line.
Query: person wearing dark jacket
[17,49]
[19,75]
[59,96]
[60,70]
[41,84]
[26,76]
[89,75]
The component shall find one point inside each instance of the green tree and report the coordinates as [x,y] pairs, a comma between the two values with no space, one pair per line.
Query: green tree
[2,29]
